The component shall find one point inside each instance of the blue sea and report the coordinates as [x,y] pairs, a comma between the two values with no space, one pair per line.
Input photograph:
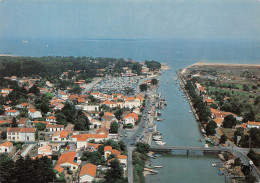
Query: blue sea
[179,53]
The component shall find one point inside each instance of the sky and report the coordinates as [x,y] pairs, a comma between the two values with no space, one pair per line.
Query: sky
[130,19]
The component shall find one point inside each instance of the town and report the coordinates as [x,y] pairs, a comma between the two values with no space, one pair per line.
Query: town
[73,124]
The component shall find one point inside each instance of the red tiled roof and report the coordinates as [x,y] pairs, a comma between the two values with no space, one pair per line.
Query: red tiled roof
[89,169]
[108,148]
[65,158]
[6,144]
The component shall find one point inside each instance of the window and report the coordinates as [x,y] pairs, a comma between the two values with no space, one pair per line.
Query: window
[74,168]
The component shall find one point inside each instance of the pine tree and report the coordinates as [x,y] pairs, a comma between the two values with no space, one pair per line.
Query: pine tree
[14,123]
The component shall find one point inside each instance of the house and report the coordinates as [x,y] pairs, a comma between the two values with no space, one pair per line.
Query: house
[253,124]
[60,136]
[93,146]
[209,101]
[108,150]
[21,134]
[23,122]
[62,95]
[82,139]
[33,113]
[88,172]
[95,123]
[90,107]
[54,128]
[23,106]
[132,102]
[219,121]
[45,150]
[4,122]
[12,113]
[130,119]
[6,147]
[67,161]
[51,119]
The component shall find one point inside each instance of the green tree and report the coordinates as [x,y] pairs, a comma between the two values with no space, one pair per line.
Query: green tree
[3,135]
[114,127]
[229,121]
[223,139]
[250,179]
[93,157]
[2,110]
[118,113]
[211,128]
[101,149]
[14,123]
[44,107]
[115,174]
[34,89]
[154,81]
[215,106]
[143,87]
[142,147]
[40,126]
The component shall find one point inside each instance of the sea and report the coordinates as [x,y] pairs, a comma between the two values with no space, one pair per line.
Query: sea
[179,127]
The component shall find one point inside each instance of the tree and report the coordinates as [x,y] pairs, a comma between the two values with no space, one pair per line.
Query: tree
[154,81]
[3,135]
[93,157]
[213,105]
[14,123]
[101,149]
[118,113]
[40,126]
[255,137]
[114,127]
[249,116]
[223,139]
[142,147]
[229,121]
[250,178]
[75,89]
[34,89]
[2,110]
[210,128]
[115,174]
[143,87]
[61,118]
[44,107]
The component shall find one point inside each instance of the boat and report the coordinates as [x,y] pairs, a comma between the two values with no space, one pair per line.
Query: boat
[158,119]
[159,113]
[157,155]
[189,111]
[200,140]
[154,171]
[206,145]
[158,166]
[214,164]
[161,143]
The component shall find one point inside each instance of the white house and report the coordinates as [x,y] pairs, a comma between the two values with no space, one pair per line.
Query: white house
[12,113]
[88,172]
[132,102]
[60,136]
[51,119]
[253,124]
[54,128]
[21,134]
[130,118]
[90,107]
[63,95]
[34,114]
[6,147]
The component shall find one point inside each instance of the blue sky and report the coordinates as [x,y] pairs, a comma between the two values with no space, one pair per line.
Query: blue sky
[130,19]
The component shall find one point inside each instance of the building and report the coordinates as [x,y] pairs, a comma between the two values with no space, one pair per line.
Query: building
[33,113]
[67,161]
[130,119]
[21,134]
[45,150]
[6,147]
[253,124]
[12,113]
[51,119]
[60,136]
[88,172]
[54,128]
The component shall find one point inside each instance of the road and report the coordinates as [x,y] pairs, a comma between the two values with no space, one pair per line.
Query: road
[130,170]
[26,151]
[89,86]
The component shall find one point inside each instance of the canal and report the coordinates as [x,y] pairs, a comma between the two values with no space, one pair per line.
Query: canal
[181,129]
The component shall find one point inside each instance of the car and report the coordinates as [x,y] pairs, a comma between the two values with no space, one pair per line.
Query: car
[133,143]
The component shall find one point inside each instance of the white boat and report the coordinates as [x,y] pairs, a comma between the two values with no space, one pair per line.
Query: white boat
[160,143]
[189,111]
[158,166]
[214,164]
